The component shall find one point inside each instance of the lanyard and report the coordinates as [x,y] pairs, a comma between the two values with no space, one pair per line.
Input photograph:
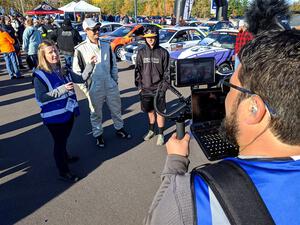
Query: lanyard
[64,79]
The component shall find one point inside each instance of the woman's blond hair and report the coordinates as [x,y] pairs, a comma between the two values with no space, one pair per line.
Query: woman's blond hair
[43,63]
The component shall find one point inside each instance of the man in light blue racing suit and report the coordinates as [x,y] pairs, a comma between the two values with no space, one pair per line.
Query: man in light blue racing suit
[103,83]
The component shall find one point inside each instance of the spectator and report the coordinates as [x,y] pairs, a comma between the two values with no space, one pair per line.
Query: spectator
[182,22]
[103,84]
[163,21]
[265,124]
[173,20]
[78,18]
[110,18]
[11,31]
[125,19]
[54,91]
[10,57]
[118,18]
[152,65]
[243,37]
[31,40]
[67,38]
[48,29]
[37,23]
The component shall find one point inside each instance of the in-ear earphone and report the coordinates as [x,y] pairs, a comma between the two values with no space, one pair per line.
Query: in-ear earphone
[254,109]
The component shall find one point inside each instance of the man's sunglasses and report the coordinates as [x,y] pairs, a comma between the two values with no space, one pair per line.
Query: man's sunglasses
[95,29]
[247,92]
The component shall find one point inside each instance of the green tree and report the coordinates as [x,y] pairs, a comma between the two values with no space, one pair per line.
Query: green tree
[201,8]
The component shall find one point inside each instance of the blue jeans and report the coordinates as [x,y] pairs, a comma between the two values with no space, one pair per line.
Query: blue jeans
[12,64]
[69,60]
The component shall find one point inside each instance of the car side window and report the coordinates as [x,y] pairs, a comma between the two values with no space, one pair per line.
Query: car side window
[195,35]
[181,36]
[115,26]
[104,29]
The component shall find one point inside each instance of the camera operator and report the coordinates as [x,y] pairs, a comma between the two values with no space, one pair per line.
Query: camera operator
[262,118]
[152,65]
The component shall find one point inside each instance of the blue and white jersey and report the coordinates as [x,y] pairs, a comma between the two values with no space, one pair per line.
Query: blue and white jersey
[277,181]
[61,109]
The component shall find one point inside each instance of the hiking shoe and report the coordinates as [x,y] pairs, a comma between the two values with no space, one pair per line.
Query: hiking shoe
[160,139]
[149,135]
[123,134]
[69,177]
[72,159]
[100,141]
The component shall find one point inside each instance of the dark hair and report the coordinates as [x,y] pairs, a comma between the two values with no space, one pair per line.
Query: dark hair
[270,68]
[262,15]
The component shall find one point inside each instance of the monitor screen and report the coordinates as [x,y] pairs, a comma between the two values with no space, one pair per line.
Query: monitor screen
[207,105]
[191,72]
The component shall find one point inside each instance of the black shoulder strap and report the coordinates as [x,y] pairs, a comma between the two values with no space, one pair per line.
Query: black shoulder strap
[31,34]
[236,193]
[111,58]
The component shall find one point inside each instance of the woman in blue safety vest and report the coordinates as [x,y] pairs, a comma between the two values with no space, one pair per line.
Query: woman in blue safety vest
[54,91]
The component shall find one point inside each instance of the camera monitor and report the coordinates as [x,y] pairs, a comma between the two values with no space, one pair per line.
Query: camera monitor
[195,71]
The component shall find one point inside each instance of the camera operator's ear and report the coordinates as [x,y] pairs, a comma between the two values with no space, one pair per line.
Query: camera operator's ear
[257,110]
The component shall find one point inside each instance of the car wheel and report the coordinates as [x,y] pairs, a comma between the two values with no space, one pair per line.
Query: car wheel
[225,68]
[118,52]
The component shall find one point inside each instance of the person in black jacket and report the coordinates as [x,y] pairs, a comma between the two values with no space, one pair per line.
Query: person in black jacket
[67,38]
[152,66]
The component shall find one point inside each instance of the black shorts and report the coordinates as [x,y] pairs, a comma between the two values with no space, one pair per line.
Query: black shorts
[147,102]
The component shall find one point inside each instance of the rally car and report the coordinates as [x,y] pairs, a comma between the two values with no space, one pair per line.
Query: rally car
[125,35]
[169,38]
[218,44]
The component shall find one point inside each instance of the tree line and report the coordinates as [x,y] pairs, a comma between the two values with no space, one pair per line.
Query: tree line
[201,8]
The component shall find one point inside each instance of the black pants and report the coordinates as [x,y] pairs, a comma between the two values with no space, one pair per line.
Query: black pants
[60,133]
[32,61]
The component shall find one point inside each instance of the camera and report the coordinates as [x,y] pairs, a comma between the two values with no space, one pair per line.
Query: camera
[194,71]
[205,106]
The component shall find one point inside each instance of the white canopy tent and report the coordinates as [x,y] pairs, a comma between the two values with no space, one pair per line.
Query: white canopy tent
[81,6]
[67,6]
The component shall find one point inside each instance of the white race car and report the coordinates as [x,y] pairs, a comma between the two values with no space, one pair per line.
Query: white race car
[172,39]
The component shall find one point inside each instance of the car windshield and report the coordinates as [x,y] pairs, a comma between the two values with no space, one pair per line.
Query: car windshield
[122,31]
[224,40]
[221,25]
[165,35]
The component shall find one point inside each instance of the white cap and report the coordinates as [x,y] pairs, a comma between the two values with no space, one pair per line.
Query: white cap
[89,23]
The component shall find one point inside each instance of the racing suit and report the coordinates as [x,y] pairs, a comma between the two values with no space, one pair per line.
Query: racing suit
[102,85]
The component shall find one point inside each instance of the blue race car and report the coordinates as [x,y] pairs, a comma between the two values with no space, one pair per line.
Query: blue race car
[218,44]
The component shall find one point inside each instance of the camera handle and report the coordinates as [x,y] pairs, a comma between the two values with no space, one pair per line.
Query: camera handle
[184,109]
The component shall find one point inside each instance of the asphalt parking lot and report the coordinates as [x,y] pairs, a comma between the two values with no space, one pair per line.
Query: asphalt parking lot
[118,182]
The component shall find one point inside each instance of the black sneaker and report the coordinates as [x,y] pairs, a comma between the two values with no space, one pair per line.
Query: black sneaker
[100,141]
[123,134]
[69,177]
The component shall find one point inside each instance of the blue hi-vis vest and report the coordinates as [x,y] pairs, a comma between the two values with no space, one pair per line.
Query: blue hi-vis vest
[55,111]
[277,181]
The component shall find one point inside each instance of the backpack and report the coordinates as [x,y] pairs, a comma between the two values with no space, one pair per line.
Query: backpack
[231,185]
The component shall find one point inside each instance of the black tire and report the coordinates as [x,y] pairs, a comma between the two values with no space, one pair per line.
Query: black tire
[118,52]
[225,67]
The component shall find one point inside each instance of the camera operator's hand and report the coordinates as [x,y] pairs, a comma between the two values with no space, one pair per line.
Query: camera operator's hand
[178,147]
